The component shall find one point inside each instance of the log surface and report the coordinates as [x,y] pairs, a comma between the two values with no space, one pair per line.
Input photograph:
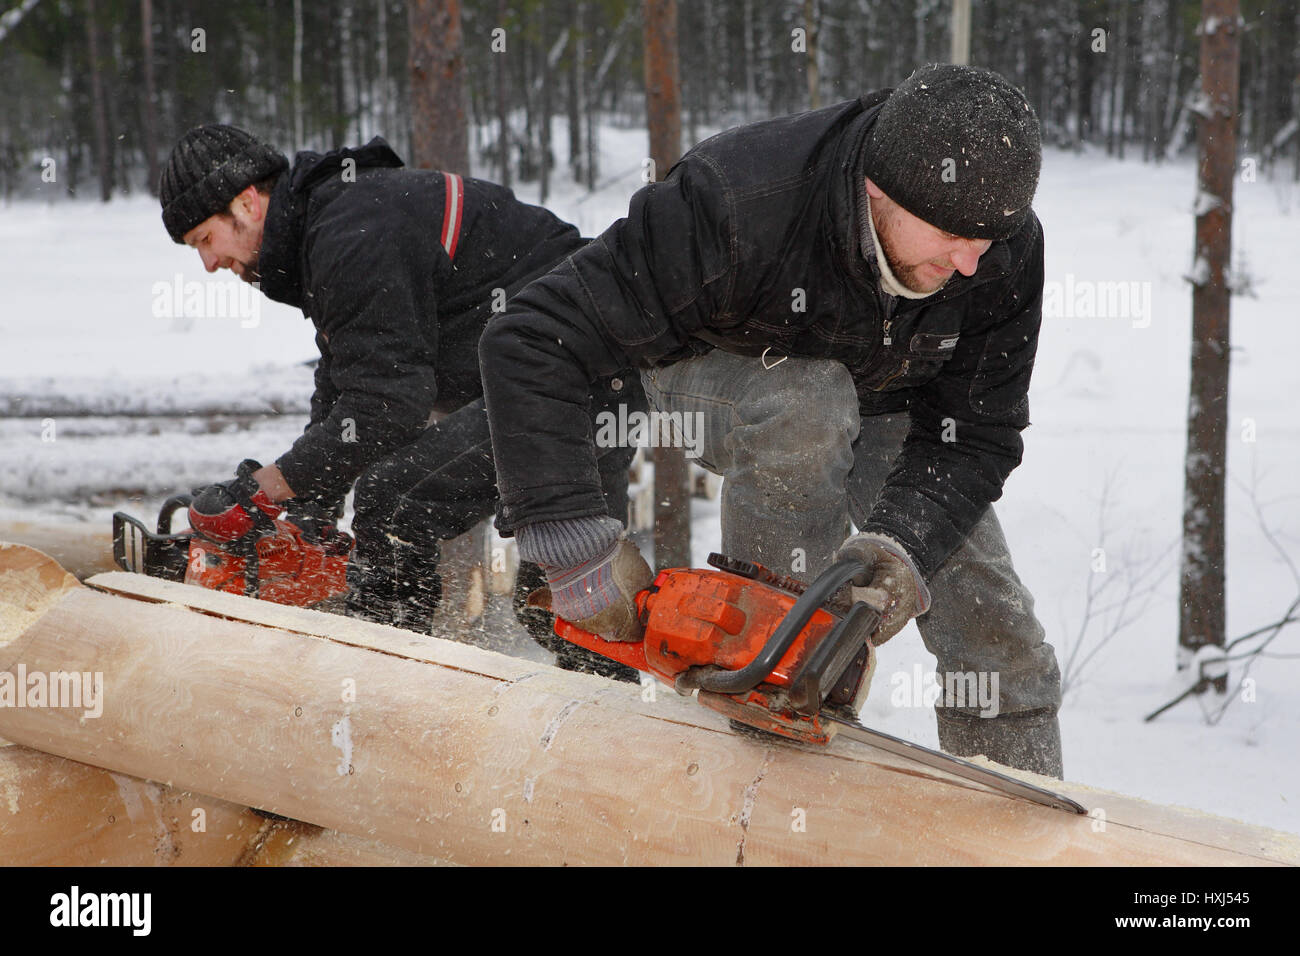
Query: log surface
[460,754]
[57,812]
[80,548]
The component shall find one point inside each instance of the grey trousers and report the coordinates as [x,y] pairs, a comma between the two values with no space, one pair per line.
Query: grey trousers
[799,462]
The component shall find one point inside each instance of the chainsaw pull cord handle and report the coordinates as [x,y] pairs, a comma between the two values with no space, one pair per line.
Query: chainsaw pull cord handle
[753,673]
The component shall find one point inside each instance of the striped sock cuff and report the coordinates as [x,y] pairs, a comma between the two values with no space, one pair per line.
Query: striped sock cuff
[568,543]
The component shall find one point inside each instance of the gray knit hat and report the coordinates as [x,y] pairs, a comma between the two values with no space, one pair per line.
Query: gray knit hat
[958,147]
[209,167]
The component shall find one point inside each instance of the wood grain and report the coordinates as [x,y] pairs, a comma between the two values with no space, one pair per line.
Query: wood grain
[57,812]
[80,548]
[460,754]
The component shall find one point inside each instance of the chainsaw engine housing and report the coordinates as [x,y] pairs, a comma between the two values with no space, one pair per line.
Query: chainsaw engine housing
[718,631]
[278,565]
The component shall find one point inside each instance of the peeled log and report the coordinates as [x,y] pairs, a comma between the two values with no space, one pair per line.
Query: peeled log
[80,548]
[469,756]
[57,812]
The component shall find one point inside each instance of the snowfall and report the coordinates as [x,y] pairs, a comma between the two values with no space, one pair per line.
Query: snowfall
[114,393]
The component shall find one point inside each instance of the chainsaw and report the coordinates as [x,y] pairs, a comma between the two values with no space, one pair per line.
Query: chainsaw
[775,654]
[275,561]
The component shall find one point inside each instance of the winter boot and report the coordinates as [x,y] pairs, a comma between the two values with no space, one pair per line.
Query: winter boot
[418,586]
[371,593]
[1028,740]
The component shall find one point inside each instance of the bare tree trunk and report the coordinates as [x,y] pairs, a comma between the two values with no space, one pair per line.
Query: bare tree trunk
[102,158]
[811,14]
[763,69]
[1277,105]
[342,122]
[119,164]
[1125,90]
[381,67]
[1173,97]
[359,51]
[439,133]
[590,101]
[544,130]
[503,119]
[961,16]
[1087,83]
[72,78]
[588,91]
[147,113]
[1114,47]
[710,17]
[525,67]
[750,82]
[664,106]
[1202,616]
[578,55]
[1155,78]
[298,130]
[662,85]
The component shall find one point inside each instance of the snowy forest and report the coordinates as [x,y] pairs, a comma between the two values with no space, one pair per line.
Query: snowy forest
[103,86]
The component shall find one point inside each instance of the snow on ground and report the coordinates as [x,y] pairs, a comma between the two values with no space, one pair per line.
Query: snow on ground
[94,319]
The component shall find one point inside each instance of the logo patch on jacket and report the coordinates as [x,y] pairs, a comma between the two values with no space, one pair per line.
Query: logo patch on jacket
[934,343]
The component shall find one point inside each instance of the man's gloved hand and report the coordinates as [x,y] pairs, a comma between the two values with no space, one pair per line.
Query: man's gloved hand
[317,520]
[230,509]
[891,584]
[599,596]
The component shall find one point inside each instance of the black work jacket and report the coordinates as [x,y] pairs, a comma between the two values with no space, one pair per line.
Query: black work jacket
[747,226]
[398,301]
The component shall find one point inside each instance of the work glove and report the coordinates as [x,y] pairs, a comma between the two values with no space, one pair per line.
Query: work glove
[230,509]
[599,596]
[891,582]
[317,520]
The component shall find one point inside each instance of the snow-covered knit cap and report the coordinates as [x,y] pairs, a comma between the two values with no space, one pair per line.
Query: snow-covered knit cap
[958,147]
[208,168]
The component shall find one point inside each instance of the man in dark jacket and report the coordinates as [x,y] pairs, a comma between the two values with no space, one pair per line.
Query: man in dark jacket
[399,270]
[848,301]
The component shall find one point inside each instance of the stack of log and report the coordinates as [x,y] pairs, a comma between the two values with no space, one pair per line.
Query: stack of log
[382,745]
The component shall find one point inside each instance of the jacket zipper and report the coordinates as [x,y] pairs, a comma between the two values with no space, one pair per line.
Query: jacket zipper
[887,339]
[902,370]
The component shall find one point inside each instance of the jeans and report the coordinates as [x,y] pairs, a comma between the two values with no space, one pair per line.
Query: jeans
[800,462]
[436,488]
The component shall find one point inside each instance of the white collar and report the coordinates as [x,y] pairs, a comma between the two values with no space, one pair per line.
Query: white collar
[888,281]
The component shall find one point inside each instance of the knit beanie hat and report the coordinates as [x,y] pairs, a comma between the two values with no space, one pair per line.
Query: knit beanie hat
[209,167]
[958,147]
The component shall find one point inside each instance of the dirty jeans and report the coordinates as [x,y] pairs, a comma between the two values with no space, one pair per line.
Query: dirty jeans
[436,488]
[799,462]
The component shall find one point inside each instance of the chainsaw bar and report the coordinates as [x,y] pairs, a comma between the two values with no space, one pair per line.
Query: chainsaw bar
[953,765]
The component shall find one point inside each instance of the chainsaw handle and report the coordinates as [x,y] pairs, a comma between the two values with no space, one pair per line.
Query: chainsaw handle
[753,673]
[172,505]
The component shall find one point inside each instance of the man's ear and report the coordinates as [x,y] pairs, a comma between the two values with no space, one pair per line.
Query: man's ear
[873,190]
[251,203]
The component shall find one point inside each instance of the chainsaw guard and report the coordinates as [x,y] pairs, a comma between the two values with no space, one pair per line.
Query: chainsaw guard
[160,554]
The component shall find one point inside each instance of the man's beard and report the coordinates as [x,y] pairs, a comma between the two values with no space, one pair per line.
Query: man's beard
[248,271]
[908,276]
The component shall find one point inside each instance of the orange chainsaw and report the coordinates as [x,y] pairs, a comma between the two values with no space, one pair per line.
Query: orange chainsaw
[775,654]
[275,561]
